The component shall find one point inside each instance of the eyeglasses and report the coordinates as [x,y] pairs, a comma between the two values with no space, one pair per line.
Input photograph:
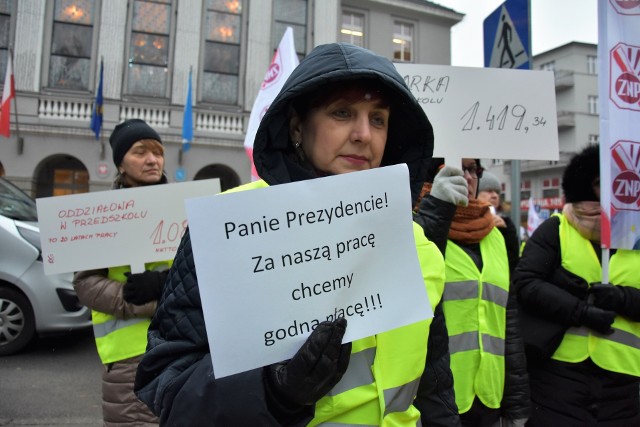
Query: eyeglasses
[474,170]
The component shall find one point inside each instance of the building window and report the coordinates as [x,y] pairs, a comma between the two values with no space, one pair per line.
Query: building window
[149,49]
[352,30]
[497,162]
[525,190]
[290,13]
[592,64]
[551,187]
[594,138]
[402,42]
[222,51]
[593,104]
[6,9]
[71,44]
[548,66]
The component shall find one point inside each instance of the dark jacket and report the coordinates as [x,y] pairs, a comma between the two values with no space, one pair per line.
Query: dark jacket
[542,285]
[175,377]
[511,241]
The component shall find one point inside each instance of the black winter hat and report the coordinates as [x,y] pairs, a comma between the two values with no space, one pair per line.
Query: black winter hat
[128,133]
[578,177]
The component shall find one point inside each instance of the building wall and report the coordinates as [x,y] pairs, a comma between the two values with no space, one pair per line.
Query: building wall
[54,124]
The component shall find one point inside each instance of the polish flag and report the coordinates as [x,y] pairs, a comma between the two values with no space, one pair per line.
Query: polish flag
[8,92]
[284,61]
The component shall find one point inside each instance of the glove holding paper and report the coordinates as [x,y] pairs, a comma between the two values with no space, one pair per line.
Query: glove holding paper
[315,368]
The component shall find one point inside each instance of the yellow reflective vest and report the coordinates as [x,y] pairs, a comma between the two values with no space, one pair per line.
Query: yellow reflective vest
[119,339]
[475,309]
[620,351]
[381,383]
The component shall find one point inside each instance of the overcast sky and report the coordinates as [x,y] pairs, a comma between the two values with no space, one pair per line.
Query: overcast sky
[553,23]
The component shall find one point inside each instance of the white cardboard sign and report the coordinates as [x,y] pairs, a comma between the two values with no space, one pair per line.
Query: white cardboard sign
[487,113]
[118,227]
[274,262]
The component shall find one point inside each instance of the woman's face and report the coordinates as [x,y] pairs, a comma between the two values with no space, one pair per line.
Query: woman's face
[143,163]
[345,134]
[470,169]
[490,196]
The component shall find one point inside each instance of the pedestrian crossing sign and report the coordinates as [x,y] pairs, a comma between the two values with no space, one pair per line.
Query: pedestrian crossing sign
[507,37]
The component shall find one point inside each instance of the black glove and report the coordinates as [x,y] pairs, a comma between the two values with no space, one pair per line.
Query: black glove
[315,368]
[607,297]
[597,319]
[144,287]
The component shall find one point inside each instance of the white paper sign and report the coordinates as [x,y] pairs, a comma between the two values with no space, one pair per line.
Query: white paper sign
[274,262]
[487,113]
[118,227]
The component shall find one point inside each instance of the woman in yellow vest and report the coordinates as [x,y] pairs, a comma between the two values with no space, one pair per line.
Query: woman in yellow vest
[343,109]
[583,342]
[123,303]
[487,355]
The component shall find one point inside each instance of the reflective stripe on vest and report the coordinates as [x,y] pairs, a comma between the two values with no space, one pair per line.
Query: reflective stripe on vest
[620,351]
[475,306]
[384,370]
[119,339]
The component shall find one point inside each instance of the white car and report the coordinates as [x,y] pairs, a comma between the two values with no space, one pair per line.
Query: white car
[31,303]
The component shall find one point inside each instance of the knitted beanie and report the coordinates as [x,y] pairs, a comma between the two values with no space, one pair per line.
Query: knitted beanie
[128,133]
[489,182]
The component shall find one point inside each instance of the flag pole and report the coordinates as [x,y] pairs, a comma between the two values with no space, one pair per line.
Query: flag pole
[19,139]
[102,150]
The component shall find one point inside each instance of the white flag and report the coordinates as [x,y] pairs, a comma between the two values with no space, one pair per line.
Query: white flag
[284,61]
[533,218]
[619,96]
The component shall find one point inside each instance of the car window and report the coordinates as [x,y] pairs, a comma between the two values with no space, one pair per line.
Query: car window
[15,203]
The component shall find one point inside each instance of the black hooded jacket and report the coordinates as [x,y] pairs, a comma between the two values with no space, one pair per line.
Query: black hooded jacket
[175,376]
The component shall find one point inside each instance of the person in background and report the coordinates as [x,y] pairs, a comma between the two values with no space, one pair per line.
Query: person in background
[122,303]
[487,355]
[490,190]
[590,375]
[343,109]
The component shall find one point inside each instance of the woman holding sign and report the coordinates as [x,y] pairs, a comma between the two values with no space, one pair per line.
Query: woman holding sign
[583,345]
[122,303]
[343,109]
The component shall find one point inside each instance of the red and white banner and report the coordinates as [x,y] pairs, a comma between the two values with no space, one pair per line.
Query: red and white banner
[8,92]
[550,203]
[619,88]
[284,61]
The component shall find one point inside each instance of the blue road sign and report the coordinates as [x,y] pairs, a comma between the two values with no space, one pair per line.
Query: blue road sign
[507,38]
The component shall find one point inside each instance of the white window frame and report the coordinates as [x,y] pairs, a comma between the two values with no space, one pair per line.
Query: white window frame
[592,104]
[402,38]
[548,66]
[352,31]
[592,64]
